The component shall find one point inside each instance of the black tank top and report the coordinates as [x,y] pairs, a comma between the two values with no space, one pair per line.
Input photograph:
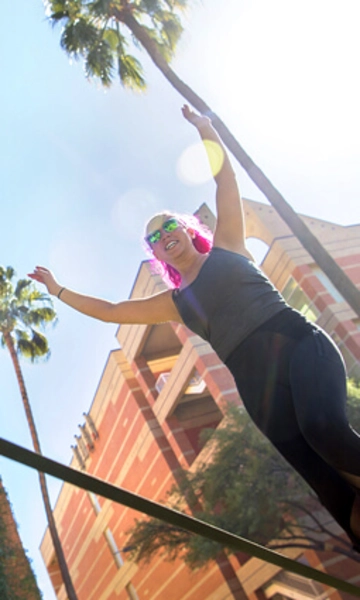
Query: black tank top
[230,298]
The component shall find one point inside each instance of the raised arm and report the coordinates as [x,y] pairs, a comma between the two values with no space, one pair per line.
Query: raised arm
[154,309]
[230,230]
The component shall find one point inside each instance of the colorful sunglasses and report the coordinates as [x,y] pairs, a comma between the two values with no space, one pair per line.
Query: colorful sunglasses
[168,226]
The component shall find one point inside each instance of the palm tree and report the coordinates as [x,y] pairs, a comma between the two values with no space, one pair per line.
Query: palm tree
[97,31]
[23,311]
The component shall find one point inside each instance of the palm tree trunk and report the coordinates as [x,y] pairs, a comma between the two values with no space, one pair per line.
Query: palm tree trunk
[44,491]
[341,281]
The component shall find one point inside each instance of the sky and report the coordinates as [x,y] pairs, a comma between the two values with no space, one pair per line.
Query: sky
[81,169]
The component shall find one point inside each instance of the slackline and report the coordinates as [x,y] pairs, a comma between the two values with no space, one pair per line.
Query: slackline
[153,509]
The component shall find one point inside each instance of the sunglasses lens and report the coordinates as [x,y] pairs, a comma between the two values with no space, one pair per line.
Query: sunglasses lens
[154,237]
[170,225]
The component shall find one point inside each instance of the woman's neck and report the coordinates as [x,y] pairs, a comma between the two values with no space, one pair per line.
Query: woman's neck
[190,271]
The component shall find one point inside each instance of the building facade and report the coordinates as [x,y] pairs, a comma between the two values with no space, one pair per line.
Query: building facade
[158,391]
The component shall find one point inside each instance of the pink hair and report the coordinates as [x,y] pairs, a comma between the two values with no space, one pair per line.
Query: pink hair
[202,241]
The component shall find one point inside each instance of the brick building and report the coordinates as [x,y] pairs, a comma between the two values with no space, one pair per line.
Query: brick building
[17,581]
[156,394]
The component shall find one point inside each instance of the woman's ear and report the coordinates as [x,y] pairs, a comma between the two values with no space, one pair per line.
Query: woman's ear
[191,233]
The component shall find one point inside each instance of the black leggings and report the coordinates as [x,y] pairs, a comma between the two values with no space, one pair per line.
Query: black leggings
[292,381]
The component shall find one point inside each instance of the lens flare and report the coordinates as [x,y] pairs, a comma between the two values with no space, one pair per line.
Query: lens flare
[195,167]
[215,156]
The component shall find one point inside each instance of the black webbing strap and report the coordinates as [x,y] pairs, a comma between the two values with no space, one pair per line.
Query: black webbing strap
[153,509]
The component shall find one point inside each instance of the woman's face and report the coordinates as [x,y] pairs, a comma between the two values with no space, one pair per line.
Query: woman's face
[167,237]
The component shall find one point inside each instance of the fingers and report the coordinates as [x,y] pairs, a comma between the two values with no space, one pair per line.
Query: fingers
[46,277]
[39,269]
[194,118]
[40,274]
[42,271]
[187,112]
[36,277]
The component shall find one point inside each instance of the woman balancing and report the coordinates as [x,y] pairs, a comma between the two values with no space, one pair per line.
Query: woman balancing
[289,374]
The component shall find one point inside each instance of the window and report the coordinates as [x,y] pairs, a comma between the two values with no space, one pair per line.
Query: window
[296,297]
[290,585]
[193,414]
[327,284]
[196,384]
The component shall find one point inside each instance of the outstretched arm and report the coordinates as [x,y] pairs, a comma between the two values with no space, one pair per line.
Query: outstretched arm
[230,231]
[154,309]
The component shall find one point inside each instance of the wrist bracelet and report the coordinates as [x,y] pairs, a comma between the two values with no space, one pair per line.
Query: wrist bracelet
[60,292]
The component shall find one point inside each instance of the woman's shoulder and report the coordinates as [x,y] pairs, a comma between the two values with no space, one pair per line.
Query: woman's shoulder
[242,254]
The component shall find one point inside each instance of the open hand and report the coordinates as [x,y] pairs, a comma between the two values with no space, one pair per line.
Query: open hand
[194,118]
[44,276]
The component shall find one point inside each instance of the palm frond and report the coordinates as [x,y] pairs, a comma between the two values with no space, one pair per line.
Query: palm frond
[36,295]
[113,37]
[58,16]
[38,317]
[131,72]
[56,5]
[6,289]
[6,276]
[20,334]
[129,68]
[155,7]
[21,287]
[26,349]
[100,8]
[23,309]
[58,10]
[99,62]
[164,49]
[10,273]
[32,347]
[176,4]
[79,37]
[150,6]
[40,343]
[7,321]
[92,31]
[18,311]
[171,29]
